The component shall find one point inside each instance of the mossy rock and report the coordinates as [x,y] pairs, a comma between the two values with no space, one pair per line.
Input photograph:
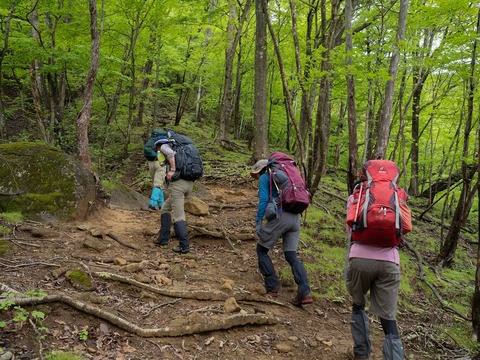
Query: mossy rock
[44,183]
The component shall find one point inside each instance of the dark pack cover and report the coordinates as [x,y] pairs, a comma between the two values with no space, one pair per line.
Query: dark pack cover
[188,163]
[375,215]
[294,196]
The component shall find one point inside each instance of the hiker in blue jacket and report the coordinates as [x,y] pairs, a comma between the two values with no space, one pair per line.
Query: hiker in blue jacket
[279,224]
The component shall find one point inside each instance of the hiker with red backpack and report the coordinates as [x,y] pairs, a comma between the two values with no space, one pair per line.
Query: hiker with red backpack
[282,220]
[377,219]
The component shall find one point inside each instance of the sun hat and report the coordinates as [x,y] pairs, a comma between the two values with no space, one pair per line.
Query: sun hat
[259,166]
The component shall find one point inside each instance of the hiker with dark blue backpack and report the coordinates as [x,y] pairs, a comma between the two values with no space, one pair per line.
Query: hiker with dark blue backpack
[279,223]
[184,166]
[377,219]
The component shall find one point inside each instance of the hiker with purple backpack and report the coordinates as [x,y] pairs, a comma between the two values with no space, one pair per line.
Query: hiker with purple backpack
[279,223]
[377,219]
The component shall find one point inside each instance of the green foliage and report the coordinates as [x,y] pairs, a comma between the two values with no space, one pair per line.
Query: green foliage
[83,334]
[4,230]
[12,217]
[5,245]
[63,355]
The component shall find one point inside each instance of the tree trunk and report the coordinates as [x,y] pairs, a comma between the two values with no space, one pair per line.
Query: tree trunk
[147,71]
[384,124]
[260,135]
[447,252]
[36,83]
[227,99]
[308,92]
[476,294]
[226,106]
[330,32]
[286,90]
[3,52]
[352,117]
[83,118]
[238,90]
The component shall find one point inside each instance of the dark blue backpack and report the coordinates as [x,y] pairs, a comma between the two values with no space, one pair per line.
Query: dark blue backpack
[188,163]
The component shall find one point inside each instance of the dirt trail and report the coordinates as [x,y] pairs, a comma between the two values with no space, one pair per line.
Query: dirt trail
[318,331]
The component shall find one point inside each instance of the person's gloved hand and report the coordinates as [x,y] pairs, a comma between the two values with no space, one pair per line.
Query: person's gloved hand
[258,228]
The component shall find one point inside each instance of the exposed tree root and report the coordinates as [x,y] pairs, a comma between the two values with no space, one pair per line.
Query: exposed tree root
[233,206]
[211,323]
[122,242]
[210,295]
[198,231]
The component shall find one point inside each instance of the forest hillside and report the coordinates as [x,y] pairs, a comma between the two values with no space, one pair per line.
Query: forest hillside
[139,301]
[331,83]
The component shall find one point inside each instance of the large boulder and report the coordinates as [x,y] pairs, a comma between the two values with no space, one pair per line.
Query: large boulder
[44,183]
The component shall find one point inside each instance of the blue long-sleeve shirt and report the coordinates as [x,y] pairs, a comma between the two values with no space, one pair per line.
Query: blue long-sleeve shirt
[264,195]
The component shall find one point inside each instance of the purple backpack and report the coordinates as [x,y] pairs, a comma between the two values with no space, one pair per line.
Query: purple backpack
[294,197]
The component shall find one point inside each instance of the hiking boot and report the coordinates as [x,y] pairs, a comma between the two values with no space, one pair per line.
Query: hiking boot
[152,208]
[160,245]
[299,301]
[179,250]
[351,355]
[272,293]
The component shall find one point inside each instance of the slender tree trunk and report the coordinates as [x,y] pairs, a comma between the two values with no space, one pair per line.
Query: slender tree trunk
[83,118]
[308,92]
[147,71]
[238,92]
[447,252]
[226,108]
[286,90]
[476,293]
[384,124]
[3,52]
[201,90]
[352,117]
[36,83]
[131,106]
[330,30]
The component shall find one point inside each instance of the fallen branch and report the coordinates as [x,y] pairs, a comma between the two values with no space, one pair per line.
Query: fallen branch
[147,314]
[232,206]
[220,235]
[28,264]
[229,241]
[121,242]
[212,323]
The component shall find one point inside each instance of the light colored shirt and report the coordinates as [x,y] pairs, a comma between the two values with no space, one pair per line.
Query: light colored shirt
[167,151]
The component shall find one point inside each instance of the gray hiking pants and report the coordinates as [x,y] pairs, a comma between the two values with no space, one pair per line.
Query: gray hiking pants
[175,204]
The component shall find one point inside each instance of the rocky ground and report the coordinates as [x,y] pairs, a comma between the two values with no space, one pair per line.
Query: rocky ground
[112,294]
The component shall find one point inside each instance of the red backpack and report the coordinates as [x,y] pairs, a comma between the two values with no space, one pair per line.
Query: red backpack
[375,216]
[294,197]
